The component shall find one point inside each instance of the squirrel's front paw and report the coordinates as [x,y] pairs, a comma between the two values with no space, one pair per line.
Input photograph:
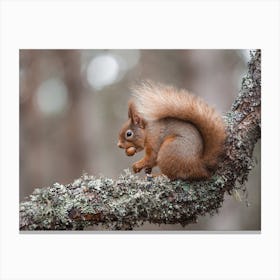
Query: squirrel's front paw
[137,166]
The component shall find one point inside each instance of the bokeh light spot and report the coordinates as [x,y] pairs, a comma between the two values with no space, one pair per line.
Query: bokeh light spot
[102,71]
[52,96]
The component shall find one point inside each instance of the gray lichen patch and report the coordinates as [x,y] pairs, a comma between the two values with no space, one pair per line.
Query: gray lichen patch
[121,204]
[244,128]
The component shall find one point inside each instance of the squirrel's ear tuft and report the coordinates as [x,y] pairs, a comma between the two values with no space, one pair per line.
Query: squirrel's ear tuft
[134,116]
[131,109]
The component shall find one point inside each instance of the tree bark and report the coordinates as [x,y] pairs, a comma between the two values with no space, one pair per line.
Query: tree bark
[130,201]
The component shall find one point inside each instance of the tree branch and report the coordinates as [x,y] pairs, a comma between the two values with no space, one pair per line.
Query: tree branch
[130,201]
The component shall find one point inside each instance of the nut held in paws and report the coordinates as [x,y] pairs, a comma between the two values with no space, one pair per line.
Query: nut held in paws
[130,151]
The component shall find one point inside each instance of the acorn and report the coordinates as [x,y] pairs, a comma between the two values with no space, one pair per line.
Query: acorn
[130,151]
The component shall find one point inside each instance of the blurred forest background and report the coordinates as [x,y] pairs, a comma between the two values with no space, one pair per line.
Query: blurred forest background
[73,103]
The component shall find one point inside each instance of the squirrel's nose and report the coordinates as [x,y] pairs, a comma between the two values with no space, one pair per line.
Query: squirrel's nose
[120,145]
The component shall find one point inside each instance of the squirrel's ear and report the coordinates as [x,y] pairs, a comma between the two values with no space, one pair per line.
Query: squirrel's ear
[137,120]
[134,116]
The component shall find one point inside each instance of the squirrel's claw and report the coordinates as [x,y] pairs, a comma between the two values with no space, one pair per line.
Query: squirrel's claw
[136,167]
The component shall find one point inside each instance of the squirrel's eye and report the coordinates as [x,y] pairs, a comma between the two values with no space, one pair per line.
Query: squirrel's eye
[129,134]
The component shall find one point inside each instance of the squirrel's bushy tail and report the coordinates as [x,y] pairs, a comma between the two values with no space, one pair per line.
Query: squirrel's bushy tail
[156,101]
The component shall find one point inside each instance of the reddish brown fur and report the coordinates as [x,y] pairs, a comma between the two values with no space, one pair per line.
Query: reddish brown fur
[179,131]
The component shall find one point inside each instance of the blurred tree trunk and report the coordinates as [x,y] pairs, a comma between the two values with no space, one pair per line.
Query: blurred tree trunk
[72,71]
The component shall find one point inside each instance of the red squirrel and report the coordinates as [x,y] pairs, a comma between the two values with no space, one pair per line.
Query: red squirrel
[180,133]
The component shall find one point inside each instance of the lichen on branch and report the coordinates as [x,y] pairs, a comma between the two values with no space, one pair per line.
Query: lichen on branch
[129,201]
[121,204]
